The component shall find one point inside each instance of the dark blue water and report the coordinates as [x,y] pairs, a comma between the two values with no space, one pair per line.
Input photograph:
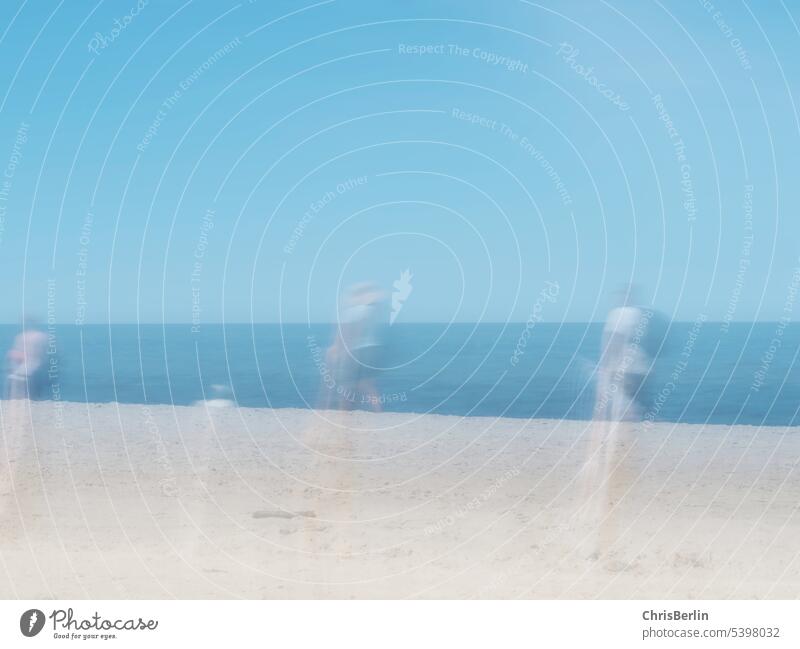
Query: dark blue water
[465,369]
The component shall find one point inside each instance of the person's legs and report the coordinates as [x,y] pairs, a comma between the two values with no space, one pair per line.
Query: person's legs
[324,542]
[603,395]
[15,437]
[618,477]
[368,394]
[367,361]
[591,506]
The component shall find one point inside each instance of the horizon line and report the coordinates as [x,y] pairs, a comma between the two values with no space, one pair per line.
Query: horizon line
[331,322]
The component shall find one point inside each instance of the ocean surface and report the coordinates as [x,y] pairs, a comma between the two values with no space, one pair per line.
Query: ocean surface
[747,373]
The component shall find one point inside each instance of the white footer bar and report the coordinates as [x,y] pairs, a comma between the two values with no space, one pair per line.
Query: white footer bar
[388,624]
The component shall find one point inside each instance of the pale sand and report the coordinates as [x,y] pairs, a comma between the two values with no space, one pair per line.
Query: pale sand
[113,506]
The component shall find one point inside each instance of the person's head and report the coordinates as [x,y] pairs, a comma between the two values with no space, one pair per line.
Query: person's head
[363,293]
[626,295]
[30,322]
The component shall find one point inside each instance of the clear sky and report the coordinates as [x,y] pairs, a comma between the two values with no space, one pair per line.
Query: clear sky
[246,161]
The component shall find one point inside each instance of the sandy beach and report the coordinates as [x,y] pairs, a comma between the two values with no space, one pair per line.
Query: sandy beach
[132,501]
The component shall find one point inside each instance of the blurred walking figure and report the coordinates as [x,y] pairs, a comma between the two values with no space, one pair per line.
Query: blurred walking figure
[27,370]
[26,378]
[357,349]
[625,360]
[352,366]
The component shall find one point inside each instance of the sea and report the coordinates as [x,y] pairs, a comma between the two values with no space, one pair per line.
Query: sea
[703,371]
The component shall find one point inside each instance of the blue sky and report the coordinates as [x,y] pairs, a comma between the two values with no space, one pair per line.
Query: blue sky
[246,161]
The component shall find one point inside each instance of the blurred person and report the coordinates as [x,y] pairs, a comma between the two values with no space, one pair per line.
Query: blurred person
[624,360]
[26,363]
[351,369]
[26,378]
[357,349]
[627,351]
